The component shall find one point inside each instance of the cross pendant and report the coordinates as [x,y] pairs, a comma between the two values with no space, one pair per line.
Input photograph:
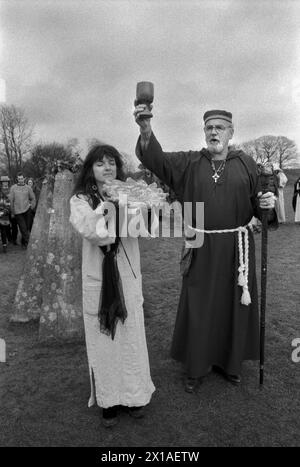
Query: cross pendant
[215,177]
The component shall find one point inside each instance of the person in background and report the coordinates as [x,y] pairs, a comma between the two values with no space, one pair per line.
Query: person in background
[30,183]
[279,202]
[296,200]
[12,231]
[112,295]
[4,219]
[22,200]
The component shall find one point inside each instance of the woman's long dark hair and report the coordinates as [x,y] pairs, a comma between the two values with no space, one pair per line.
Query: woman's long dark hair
[112,306]
[86,183]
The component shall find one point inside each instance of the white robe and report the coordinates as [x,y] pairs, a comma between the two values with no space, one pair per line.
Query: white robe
[119,367]
[279,204]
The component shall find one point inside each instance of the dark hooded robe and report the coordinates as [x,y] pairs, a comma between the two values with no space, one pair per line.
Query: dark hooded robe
[296,193]
[212,326]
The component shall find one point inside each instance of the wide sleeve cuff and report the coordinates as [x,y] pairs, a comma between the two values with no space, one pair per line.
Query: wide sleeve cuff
[91,224]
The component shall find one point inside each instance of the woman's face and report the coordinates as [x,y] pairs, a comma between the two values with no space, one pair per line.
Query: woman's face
[105,170]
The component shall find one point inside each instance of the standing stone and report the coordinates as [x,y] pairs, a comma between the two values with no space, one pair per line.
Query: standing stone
[61,314]
[28,299]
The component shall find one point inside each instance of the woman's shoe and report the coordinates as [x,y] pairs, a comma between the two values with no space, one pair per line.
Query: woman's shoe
[190,384]
[110,417]
[136,412]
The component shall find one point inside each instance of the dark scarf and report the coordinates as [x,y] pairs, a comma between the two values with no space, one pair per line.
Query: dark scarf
[112,304]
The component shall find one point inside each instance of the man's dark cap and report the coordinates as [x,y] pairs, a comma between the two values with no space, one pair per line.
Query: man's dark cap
[221,114]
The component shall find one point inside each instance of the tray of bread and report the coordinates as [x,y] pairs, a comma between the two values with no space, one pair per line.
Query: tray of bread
[137,191]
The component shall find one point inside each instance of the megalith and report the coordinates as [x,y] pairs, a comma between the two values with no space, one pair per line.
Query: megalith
[61,312]
[28,298]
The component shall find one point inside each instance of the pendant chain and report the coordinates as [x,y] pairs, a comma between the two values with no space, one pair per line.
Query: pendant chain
[217,172]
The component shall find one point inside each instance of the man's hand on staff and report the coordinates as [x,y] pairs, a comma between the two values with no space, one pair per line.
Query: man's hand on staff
[266,200]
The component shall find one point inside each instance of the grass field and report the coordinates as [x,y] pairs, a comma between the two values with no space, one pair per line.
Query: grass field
[44,389]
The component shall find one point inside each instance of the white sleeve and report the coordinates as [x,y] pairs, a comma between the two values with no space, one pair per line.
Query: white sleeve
[283,180]
[90,223]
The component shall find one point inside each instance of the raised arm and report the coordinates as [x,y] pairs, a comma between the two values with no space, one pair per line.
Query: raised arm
[169,167]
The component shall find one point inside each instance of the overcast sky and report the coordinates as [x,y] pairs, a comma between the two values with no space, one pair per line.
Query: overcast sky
[73,66]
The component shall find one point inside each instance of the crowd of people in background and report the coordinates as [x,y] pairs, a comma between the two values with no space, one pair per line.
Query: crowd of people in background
[17,210]
[280,180]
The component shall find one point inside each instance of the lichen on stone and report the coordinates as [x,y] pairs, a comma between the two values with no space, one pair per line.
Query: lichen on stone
[50,258]
[52,316]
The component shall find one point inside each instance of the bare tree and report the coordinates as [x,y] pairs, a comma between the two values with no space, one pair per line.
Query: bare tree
[267,148]
[287,152]
[279,149]
[15,136]
[252,149]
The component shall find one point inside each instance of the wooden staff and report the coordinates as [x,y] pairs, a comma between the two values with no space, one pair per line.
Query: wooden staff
[268,184]
[264,262]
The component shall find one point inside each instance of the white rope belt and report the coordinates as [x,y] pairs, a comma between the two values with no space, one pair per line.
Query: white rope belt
[243,269]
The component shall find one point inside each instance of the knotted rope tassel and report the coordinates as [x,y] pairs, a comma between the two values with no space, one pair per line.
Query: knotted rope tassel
[243,269]
[244,265]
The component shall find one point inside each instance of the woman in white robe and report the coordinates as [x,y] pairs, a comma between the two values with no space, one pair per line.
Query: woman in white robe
[279,203]
[118,364]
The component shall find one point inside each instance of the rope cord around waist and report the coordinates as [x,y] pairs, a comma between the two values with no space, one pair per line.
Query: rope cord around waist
[243,245]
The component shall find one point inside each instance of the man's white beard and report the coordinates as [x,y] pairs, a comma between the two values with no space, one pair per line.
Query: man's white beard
[216,148]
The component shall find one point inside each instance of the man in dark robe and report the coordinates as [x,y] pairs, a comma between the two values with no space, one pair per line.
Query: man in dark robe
[217,323]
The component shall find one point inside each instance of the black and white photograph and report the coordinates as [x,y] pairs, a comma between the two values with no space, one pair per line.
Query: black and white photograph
[150,226]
